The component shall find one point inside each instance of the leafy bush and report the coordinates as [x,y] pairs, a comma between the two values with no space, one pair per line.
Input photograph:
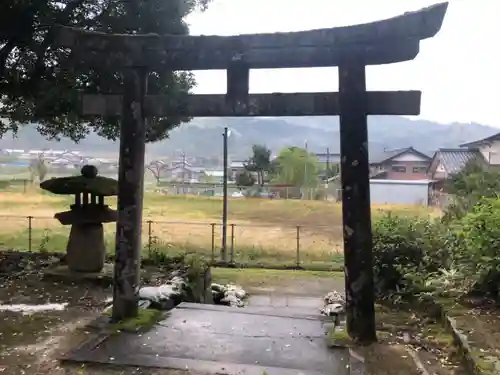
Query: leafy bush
[479,248]
[455,255]
[417,257]
[407,251]
[447,282]
[245,179]
[474,182]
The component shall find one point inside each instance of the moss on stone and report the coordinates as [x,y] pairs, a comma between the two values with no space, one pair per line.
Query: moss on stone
[438,335]
[487,364]
[383,335]
[198,279]
[338,336]
[145,319]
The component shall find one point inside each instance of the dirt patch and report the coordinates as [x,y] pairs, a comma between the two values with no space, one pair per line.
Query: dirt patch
[30,340]
[31,343]
[409,340]
[479,320]
[396,359]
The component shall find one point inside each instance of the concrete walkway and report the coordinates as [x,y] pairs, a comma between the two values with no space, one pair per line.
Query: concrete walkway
[279,335]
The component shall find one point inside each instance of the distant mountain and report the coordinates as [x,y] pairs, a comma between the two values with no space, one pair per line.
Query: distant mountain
[203,137]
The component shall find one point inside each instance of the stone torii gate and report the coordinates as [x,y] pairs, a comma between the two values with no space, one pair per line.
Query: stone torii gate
[349,48]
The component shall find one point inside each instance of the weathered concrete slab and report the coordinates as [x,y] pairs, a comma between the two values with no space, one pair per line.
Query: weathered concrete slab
[219,339]
[287,306]
[277,300]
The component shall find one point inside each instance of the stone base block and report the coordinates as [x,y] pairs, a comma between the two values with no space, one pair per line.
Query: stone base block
[86,251]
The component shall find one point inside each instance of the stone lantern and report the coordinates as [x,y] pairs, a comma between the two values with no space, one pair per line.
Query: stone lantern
[86,250]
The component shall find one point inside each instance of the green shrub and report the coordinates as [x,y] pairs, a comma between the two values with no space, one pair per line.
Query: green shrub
[407,251]
[474,182]
[417,257]
[479,248]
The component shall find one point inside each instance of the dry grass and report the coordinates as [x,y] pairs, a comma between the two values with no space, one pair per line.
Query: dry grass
[259,227]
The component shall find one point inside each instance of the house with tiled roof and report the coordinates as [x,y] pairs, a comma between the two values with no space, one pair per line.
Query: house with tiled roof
[399,164]
[448,161]
[489,148]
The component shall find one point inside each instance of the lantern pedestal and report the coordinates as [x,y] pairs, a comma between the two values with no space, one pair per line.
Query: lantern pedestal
[86,250]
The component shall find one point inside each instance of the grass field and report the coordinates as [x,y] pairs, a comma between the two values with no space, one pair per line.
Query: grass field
[261,230]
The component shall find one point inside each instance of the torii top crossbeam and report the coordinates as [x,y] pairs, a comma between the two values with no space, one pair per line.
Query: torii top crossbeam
[388,41]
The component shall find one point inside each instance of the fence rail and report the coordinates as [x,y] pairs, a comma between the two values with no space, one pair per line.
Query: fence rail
[322,192]
[259,245]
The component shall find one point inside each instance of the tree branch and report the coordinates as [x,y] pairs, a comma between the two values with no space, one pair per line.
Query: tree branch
[4,54]
[61,19]
[19,26]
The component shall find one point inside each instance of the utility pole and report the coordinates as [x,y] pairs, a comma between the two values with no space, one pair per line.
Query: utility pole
[224,197]
[183,154]
[305,182]
[327,158]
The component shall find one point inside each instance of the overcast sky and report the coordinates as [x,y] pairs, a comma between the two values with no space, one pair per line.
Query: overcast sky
[458,70]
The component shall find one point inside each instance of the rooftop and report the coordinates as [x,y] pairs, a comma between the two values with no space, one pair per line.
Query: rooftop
[385,155]
[454,159]
[480,142]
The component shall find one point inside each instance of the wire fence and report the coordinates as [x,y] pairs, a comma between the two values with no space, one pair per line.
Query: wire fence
[247,245]
[323,192]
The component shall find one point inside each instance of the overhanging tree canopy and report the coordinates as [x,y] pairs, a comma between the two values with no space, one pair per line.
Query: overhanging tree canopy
[37,84]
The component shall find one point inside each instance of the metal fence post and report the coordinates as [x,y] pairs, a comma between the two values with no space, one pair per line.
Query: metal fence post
[213,242]
[298,246]
[232,242]
[150,237]
[30,231]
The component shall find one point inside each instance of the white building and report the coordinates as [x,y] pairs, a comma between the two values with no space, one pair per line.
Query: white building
[403,192]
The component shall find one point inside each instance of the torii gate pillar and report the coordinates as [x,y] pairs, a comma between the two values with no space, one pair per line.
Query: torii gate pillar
[130,194]
[356,215]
